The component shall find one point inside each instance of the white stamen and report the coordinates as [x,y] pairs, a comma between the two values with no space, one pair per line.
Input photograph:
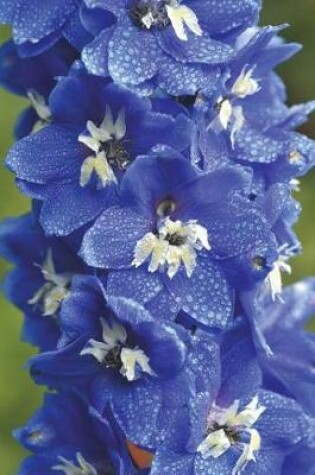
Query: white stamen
[181,16]
[69,468]
[218,441]
[42,110]
[102,169]
[295,158]
[230,115]
[40,106]
[148,20]
[274,278]
[113,335]
[245,85]
[295,184]
[56,288]
[225,112]
[192,237]
[214,445]
[98,164]
[131,358]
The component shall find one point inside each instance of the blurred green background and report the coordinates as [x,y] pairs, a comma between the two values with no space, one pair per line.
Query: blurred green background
[18,396]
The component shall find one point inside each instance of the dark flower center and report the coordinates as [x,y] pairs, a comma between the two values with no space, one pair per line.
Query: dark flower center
[175,239]
[148,13]
[165,208]
[230,432]
[116,154]
[259,263]
[112,359]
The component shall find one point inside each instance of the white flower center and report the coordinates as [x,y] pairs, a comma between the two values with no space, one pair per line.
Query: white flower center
[180,17]
[55,289]
[230,115]
[109,131]
[274,278]
[175,244]
[42,110]
[82,467]
[225,429]
[162,13]
[113,352]
[245,85]
[295,158]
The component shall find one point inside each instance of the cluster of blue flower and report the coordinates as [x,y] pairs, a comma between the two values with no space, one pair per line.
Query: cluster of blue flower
[161,157]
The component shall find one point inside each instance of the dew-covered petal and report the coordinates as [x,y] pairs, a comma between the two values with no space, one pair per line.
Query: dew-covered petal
[197,197]
[111,241]
[224,16]
[95,54]
[212,466]
[283,423]
[253,146]
[7,10]
[206,296]
[117,7]
[134,55]
[241,375]
[180,79]
[52,155]
[68,207]
[233,232]
[36,22]
[163,306]
[198,49]
[136,284]
[162,129]
[167,461]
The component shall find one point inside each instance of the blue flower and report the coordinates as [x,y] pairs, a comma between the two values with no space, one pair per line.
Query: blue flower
[174,45]
[41,278]
[34,78]
[247,120]
[241,428]
[96,130]
[282,324]
[114,353]
[174,236]
[36,26]
[301,461]
[69,437]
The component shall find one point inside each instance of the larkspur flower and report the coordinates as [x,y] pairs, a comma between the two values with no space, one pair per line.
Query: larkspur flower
[248,120]
[34,78]
[67,437]
[175,234]
[113,353]
[240,428]
[176,45]
[37,26]
[41,278]
[161,157]
[99,128]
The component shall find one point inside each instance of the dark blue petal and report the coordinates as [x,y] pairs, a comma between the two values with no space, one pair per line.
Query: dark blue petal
[283,425]
[222,16]
[241,376]
[59,153]
[137,284]
[38,25]
[206,296]
[95,54]
[111,241]
[134,55]
[198,49]
[82,205]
